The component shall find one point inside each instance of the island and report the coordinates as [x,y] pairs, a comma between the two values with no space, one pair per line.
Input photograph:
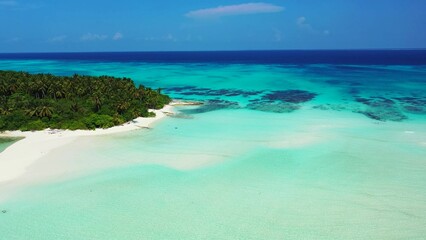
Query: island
[45,112]
[31,102]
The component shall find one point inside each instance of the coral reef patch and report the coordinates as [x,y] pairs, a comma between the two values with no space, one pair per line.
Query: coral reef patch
[196,91]
[381,109]
[276,107]
[212,105]
[290,96]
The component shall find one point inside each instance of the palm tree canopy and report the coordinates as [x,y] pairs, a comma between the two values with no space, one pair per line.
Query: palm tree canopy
[72,102]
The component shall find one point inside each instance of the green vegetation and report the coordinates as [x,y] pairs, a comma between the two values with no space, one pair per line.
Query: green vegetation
[39,101]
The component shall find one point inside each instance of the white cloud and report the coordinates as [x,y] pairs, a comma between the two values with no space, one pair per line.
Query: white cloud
[60,38]
[168,38]
[303,24]
[230,10]
[93,37]
[301,21]
[117,36]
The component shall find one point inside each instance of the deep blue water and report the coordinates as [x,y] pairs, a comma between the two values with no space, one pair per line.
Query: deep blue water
[358,57]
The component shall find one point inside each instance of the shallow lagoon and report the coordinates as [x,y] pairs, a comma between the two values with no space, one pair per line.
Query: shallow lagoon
[345,163]
[6,142]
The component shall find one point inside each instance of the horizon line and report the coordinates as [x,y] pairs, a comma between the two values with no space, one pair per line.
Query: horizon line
[252,50]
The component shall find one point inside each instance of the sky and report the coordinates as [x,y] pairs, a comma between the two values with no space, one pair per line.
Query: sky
[198,25]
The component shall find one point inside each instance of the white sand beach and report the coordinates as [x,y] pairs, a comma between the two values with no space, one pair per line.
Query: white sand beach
[17,158]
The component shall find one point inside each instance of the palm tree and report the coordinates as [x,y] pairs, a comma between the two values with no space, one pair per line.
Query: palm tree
[70,98]
[5,111]
[42,111]
[4,89]
[32,112]
[122,107]
[45,111]
[97,101]
[75,107]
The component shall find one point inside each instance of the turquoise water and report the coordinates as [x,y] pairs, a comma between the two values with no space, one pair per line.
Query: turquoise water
[277,152]
[6,142]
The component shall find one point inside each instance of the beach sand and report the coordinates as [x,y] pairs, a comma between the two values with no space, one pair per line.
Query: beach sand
[16,159]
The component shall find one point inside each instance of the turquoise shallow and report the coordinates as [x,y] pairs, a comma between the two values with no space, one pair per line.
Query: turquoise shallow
[279,151]
[6,142]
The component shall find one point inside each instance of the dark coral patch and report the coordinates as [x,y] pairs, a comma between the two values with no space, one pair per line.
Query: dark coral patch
[354,91]
[412,100]
[290,96]
[212,105]
[179,89]
[381,109]
[365,101]
[416,105]
[334,107]
[273,107]
[375,101]
[385,115]
[385,109]
[415,109]
[285,101]
[195,91]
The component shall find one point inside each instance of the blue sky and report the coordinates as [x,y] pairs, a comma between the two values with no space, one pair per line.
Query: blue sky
[164,25]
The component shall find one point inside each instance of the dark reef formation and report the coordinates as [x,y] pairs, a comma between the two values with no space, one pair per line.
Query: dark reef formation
[212,105]
[284,101]
[196,91]
[380,108]
[290,96]
[386,109]
[416,105]
[334,107]
[276,107]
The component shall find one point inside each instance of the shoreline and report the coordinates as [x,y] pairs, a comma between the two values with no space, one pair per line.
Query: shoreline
[17,158]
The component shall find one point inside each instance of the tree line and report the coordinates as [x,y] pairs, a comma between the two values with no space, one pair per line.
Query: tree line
[39,101]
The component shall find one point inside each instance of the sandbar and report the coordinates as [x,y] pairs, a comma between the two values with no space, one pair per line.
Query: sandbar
[17,158]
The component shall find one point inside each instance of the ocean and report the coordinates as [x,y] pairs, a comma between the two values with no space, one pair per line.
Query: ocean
[289,145]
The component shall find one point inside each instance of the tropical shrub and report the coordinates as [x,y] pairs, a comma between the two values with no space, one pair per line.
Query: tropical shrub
[36,101]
